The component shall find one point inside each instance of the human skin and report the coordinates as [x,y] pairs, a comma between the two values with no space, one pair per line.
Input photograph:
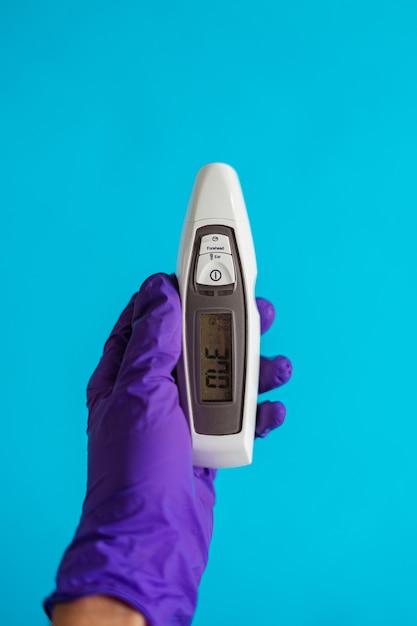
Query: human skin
[96,611]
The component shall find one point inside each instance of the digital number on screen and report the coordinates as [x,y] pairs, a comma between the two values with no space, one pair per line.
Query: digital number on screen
[216,357]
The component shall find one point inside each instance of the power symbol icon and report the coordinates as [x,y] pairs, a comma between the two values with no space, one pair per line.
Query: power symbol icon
[215,275]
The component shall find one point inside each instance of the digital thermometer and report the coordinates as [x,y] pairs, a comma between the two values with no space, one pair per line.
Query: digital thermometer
[219,368]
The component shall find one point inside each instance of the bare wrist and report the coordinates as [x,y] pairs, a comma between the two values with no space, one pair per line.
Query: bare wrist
[96,611]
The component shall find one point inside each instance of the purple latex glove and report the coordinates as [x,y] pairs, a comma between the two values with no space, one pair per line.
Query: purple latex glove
[147,518]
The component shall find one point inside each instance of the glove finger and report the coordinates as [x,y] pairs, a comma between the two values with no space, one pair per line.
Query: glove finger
[267,313]
[204,477]
[274,372]
[269,416]
[155,343]
[103,378]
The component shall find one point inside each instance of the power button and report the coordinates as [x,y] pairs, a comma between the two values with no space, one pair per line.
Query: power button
[215,269]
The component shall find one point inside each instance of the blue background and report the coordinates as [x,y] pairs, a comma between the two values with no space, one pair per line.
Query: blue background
[107,111]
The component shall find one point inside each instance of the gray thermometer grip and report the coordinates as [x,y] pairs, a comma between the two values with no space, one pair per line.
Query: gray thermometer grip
[216,330]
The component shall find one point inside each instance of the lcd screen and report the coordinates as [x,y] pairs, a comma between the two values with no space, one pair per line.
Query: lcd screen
[216,357]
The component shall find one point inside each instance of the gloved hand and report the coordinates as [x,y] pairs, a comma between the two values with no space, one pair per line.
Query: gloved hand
[147,518]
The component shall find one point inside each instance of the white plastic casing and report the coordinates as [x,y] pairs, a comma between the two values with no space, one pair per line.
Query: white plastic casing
[217,199]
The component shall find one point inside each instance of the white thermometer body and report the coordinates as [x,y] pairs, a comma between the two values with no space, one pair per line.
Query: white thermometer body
[219,368]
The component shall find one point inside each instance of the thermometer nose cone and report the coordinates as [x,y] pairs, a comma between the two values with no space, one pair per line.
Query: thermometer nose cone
[216,195]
